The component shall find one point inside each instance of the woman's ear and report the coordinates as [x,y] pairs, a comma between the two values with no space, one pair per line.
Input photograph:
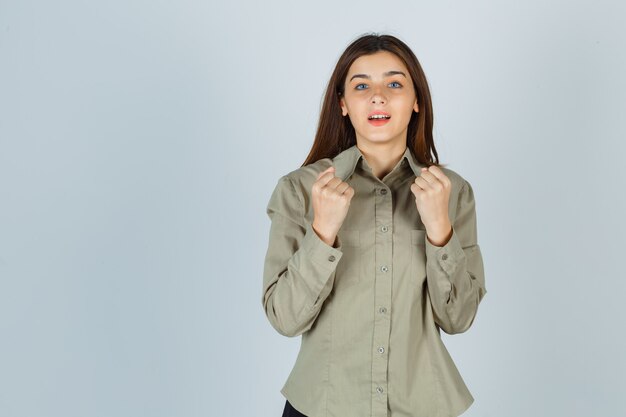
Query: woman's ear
[416,107]
[344,109]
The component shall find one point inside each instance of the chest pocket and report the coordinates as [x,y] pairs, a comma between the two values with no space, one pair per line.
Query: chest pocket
[349,267]
[418,257]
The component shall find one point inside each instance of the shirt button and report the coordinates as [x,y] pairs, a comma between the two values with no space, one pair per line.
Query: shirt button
[381,350]
[382,310]
[379,389]
[444,256]
[331,258]
[384,228]
[383,191]
[384,268]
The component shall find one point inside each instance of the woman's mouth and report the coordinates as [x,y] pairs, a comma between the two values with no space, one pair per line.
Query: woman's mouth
[378,120]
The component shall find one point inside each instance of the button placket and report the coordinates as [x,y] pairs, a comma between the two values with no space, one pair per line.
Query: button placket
[383,257]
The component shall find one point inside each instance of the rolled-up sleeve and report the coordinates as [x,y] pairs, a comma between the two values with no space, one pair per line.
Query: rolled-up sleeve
[455,272]
[299,268]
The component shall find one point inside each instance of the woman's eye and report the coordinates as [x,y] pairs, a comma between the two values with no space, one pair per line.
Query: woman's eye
[393,82]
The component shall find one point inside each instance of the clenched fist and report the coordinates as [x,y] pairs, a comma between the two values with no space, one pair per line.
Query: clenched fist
[331,199]
[432,194]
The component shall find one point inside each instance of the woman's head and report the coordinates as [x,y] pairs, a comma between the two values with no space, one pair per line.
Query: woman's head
[378,83]
[376,73]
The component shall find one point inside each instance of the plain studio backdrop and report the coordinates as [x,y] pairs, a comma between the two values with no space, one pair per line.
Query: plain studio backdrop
[139,145]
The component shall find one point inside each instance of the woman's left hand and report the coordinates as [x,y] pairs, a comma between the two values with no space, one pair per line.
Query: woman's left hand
[432,194]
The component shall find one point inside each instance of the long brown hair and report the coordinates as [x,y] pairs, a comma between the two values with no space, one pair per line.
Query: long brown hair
[335,132]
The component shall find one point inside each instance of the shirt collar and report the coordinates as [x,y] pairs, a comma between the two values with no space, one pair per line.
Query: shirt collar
[345,162]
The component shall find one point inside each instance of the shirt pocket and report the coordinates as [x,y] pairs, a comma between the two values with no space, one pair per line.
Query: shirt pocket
[349,266]
[418,257]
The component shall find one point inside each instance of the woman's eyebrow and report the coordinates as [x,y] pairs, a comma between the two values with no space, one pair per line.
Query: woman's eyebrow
[386,74]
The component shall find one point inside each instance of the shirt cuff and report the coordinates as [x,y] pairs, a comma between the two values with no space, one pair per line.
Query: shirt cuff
[320,252]
[448,256]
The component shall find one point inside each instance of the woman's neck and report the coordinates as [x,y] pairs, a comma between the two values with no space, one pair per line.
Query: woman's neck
[382,158]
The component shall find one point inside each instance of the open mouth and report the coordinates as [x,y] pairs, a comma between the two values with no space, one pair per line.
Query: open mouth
[378,120]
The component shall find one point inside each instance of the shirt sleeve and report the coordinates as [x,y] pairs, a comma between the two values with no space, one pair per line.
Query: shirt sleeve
[455,272]
[299,268]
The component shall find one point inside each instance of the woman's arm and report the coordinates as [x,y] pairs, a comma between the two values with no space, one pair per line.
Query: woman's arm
[299,266]
[455,272]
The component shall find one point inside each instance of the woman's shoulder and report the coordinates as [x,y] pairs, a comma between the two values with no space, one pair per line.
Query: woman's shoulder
[458,181]
[303,178]
[462,191]
[293,189]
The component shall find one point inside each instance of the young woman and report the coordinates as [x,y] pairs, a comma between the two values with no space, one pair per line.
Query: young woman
[373,249]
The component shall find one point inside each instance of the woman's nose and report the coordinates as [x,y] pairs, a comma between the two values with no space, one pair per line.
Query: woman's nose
[377,95]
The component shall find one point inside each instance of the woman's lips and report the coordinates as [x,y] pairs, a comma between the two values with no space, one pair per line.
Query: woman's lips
[378,122]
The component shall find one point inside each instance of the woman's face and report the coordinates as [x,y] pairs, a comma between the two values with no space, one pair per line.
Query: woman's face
[379,82]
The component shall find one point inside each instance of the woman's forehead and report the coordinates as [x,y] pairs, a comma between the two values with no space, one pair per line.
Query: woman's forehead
[379,64]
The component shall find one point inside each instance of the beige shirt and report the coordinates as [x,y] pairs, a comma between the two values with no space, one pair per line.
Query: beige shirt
[370,310]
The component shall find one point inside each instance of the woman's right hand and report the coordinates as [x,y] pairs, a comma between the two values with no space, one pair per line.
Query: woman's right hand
[331,200]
